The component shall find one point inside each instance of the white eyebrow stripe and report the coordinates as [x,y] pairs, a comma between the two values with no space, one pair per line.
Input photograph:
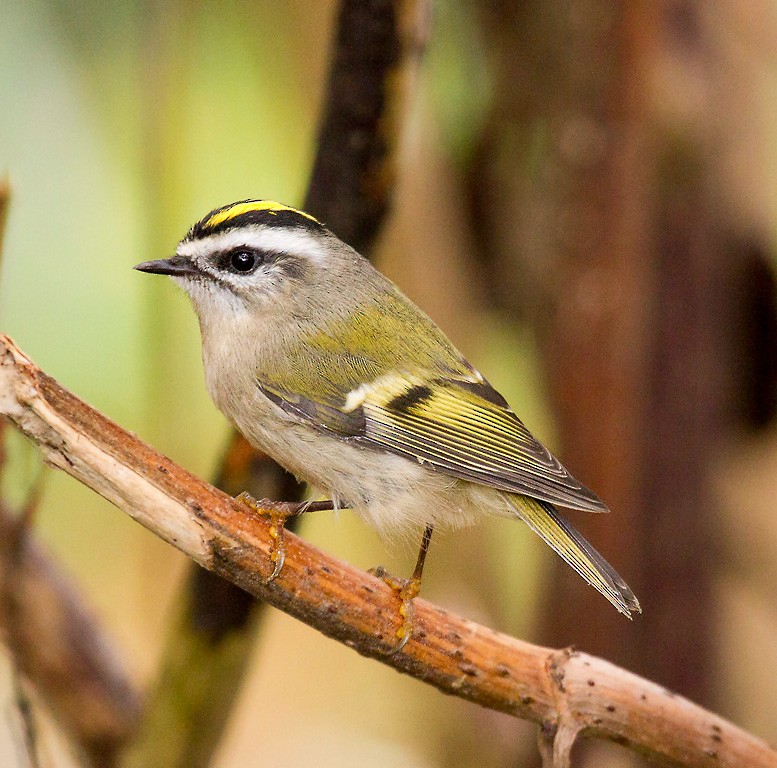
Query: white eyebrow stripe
[273,239]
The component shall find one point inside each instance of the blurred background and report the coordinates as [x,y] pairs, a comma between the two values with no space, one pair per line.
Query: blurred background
[585,203]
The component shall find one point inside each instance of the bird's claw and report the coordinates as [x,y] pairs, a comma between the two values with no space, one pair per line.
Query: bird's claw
[408,590]
[278,556]
[277,528]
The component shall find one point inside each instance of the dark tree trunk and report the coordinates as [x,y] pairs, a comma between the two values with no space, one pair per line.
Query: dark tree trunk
[602,224]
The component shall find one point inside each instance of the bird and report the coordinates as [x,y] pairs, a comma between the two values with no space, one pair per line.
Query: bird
[323,363]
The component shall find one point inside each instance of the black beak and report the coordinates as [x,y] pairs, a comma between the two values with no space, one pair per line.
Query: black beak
[178,266]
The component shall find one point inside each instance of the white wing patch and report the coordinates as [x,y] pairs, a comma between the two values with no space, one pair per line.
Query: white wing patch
[381,391]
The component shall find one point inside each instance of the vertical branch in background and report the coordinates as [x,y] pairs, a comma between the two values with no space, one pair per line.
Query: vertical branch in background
[374,64]
[611,243]
[594,330]
[5,201]
[374,57]
[686,387]
[73,667]
[566,243]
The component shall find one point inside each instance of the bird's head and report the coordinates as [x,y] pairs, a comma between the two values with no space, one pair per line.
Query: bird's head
[249,255]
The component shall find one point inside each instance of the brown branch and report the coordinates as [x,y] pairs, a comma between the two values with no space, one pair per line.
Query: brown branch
[57,644]
[30,737]
[28,723]
[564,691]
[375,60]
[5,202]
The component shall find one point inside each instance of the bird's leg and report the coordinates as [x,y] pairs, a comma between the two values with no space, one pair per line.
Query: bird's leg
[279,512]
[408,590]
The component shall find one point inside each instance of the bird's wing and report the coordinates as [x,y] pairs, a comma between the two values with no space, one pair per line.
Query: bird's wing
[462,427]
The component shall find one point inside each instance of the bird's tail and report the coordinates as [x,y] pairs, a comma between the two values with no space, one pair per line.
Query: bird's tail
[545,520]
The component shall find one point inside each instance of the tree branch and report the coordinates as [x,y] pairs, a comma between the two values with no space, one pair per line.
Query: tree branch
[373,62]
[565,691]
[56,643]
[5,202]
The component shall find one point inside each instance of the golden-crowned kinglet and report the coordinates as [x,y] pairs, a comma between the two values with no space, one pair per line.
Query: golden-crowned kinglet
[323,363]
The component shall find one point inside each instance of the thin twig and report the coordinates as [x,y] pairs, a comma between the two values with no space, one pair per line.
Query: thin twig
[559,690]
[28,723]
[5,203]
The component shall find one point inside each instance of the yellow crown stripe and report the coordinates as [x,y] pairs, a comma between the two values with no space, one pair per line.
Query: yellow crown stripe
[249,206]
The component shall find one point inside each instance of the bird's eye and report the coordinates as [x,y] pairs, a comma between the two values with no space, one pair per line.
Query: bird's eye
[243,260]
